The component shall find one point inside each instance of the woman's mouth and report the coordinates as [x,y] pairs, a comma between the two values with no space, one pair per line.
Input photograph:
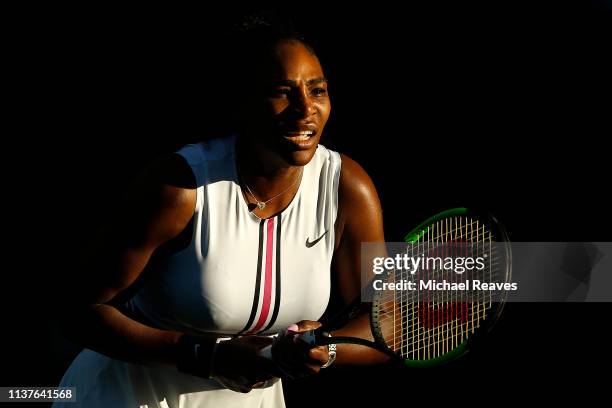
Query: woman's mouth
[297,136]
[302,139]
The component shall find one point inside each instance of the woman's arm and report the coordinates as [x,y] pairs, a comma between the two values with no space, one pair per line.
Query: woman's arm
[154,220]
[359,220]
[155,212]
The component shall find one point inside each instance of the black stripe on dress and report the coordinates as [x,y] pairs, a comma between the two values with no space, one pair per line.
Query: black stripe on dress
[257,280]
[278,275]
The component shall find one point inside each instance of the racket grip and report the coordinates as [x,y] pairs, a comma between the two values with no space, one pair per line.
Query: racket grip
[314,338]
[308,339]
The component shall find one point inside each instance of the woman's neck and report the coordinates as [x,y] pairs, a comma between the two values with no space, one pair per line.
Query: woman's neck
[263,171]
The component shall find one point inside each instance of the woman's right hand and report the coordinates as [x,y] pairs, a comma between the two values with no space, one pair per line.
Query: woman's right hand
[239,365]
[293,357]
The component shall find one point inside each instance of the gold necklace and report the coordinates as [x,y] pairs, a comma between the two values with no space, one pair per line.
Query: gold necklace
[262,204]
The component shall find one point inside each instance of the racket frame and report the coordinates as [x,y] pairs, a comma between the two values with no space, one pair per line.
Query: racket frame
[501,235]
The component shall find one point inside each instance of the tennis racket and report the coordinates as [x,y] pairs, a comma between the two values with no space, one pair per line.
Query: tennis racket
[424,328]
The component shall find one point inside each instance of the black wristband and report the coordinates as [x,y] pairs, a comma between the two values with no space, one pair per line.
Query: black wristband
[195,355]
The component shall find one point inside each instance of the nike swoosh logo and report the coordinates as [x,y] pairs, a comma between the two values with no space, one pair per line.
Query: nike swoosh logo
[313,243]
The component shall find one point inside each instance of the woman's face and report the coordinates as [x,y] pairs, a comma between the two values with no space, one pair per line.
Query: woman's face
[288,106]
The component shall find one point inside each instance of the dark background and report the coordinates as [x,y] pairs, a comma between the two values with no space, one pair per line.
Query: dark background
[498,106]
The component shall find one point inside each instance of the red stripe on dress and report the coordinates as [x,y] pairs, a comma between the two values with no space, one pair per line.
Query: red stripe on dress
[265,308]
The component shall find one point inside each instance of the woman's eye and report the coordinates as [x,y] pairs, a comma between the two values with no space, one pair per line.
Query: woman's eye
[281,92]
[319,91]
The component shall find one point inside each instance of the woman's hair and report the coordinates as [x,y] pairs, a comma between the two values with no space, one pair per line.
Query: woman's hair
[257,33]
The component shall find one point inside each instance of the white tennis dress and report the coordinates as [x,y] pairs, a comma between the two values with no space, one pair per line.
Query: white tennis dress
[239,275]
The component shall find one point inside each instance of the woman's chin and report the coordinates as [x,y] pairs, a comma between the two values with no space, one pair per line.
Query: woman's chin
[300,157]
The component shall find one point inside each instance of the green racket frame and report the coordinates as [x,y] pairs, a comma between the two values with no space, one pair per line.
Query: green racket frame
[412,237]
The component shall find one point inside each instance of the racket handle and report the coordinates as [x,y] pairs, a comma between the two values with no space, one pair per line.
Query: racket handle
[314,338]
[320,337]
[309,339]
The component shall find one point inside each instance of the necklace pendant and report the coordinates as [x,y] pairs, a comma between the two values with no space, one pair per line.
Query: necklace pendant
[261,205]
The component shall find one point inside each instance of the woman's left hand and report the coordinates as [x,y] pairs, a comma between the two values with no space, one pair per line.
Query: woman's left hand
[293,357]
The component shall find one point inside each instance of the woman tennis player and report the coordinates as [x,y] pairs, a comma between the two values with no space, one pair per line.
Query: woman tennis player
[224,244]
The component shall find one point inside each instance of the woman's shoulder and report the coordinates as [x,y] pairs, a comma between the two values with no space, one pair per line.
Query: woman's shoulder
[355,183]
[209,159]
[166,191]
[215,148]
[169,170]
[359,209]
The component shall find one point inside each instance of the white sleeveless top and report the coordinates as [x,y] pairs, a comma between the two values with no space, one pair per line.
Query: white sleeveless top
[239,275]
[242,274]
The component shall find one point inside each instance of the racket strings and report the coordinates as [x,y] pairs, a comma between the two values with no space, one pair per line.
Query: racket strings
[420,328]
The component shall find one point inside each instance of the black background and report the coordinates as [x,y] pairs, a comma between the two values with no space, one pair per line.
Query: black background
[499,106]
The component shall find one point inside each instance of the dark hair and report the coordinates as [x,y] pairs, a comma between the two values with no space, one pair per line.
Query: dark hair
[257,32]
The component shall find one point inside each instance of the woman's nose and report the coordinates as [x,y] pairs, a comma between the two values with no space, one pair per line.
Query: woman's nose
[304,105]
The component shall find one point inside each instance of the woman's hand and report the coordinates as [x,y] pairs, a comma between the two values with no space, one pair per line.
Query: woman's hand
[239,365]
[293,357]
